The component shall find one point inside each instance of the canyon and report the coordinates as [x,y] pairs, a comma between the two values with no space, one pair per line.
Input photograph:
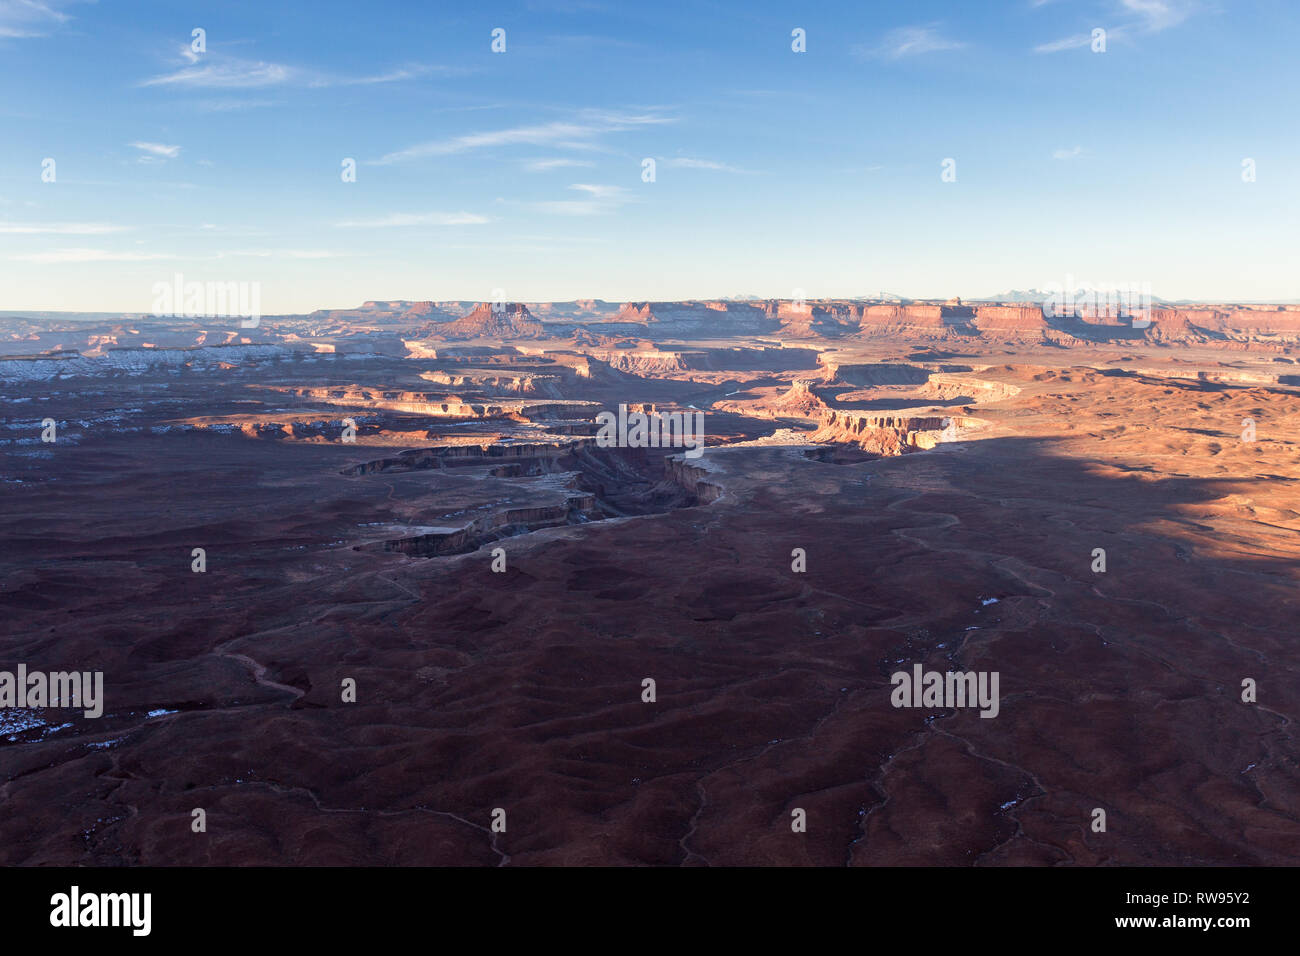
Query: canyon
[412,496]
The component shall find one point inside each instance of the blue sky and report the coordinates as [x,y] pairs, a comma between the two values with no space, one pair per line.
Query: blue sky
[522,170]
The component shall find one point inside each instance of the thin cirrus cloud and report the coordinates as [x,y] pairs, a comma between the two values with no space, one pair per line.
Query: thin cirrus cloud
[1070,153]
[57,228]
[1156,15]
[542,165]
[156,150]
[392,76]
[583,132]
[399,219]
[25,19]
[1136,17]
[600,200]
[685,162]
[214,70]
[226,75]
[1066,43]
[908,41]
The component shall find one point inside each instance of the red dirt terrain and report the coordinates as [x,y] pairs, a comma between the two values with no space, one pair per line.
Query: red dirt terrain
[949,494]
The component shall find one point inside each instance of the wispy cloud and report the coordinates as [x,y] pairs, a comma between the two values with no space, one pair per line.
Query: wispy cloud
[684,162]
[392,76]
[58,228]
[227,75]
[1134,18]
[601,199]
[90,255]
[1066,43]
[581,132]
[542,165]
[1070,153]
[1156,15]
[23,19]
[216,70]
[909,41]
[158,150]
[416,219]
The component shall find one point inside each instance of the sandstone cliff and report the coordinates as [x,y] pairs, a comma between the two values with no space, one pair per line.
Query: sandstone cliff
[888,434]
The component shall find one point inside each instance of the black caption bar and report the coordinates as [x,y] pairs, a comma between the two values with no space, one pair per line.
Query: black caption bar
[334,905]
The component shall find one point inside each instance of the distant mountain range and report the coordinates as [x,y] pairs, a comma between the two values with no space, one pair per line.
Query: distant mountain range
[865,297]
[1038,296]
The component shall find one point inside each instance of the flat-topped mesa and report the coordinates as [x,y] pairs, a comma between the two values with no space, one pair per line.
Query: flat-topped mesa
[575,509]
[460,354]
[442,405]
[652,359]
[1283,321]
[137,360]
[879,319]
[870,373]
[1230,327]
[1023,320]
[580,364]
[1181,325]
[641,361]
[694,319]
[812,319]
[1224,376]
[971,389]
[418,310]
[931,320]
[887,434]
[448,456]
[546,384]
